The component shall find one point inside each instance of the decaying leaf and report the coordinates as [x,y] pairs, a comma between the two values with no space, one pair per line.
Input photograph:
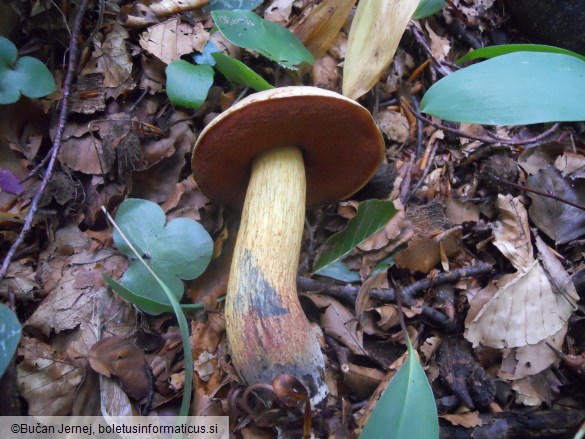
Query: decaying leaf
[171,39]
[422,255]
[558,220]
[512,233]
[321,27]
[116,356]
[338,322]
[375,33]
[164,8]
[467,420]
[524,310]
[47,380]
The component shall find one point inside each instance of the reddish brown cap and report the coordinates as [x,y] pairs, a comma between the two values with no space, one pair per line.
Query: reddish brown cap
[341,145]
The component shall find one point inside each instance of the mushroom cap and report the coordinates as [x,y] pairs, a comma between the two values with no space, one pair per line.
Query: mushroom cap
[340,142]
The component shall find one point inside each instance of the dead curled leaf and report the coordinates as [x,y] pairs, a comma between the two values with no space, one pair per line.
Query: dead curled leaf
[338,322]
[116,356]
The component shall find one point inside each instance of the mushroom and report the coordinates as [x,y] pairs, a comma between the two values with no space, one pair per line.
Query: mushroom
[277,152]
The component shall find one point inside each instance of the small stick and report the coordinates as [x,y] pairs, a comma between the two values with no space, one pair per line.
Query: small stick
[73,53]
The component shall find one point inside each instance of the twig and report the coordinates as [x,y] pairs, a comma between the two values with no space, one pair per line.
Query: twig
[420,38]
[73,53]
[419,128]
[424,174]
[493,138]
[538,192]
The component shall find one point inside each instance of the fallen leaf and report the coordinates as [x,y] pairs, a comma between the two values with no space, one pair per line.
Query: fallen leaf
[467,420]
[512,233]
[558,220]
[119,357]
[322,25]
[46,379]
[524,310]
[394,125]
[172,39]
[338,322]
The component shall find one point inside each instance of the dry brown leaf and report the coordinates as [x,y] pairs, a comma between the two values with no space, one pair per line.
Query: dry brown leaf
[422,255]
[279,11]
[571,164]
[164,8]
[459,212]
[524,310]
[364,303]
[537,389]
[113,60]
[325,73]
[46,379]
[362,381]
[394,125]
[375,33]
[171,39]
[322,25]
[338,322]
[467,420]
[439,46]
[533,359]
[560,279]
[512,233]
[119,357]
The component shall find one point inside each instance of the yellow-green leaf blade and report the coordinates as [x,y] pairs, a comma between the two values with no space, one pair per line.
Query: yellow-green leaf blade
[375,33]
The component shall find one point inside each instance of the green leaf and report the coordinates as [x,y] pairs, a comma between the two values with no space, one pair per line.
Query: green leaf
[27,76]
[147,304]
[246,29]
[384,264]
[407,407]
[238,72]
[493,51]
[338,270]
[426,8]
[181,250]
[245,5]
[514,89]
[371,216]
[10,331]
[188,84]
[141,221]
[205,56]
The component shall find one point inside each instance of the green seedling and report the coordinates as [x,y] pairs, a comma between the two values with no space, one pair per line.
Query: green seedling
[140,238]
[22,76]
[372,216]
[516,88]
[180,250]
[245,5]
[238,72]
[10,331]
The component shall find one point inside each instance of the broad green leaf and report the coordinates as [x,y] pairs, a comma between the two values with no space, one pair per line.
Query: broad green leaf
[514,89]
[493,51]
[338,270]
[248,30]
[371,216]
[10,331]
[140,221]
[246,5]
[406,409]
[149,305]
[180,250]
[426,8]
[137,278]
[238,72]
[373,39]
[188,84]
[27,76]
[183,248]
